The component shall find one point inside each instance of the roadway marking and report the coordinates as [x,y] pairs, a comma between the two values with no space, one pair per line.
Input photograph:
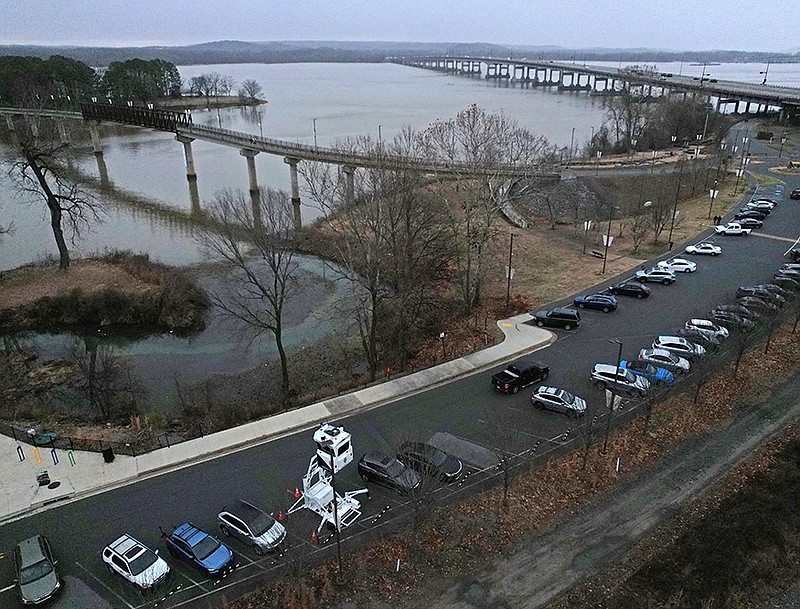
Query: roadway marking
[7,588]
[766,236]
[194,583]
[107,587]
[793,245]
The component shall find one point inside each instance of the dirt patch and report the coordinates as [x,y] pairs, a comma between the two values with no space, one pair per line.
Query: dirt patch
[30,283]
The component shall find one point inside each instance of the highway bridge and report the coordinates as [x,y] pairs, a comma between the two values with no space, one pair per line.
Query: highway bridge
[747,97]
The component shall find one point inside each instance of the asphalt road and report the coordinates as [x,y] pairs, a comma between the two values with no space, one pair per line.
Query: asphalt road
[462,414]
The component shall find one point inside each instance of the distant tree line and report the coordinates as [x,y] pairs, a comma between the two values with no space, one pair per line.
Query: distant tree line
[61,83]
[372,52]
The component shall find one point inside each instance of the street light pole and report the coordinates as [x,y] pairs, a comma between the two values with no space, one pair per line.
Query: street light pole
[611,405]
[783,141]
[607,240]
[314,122]
[508,285]
[712,195]
[586,226]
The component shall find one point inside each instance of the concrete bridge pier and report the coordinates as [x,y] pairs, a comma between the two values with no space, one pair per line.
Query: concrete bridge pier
[97,147]
[191,174]
[33,125]
[102,171]
[298,220]
[194,200]
[62,133]
[349,184]
[252,179]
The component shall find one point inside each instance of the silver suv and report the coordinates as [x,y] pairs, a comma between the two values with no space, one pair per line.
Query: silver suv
[679,346]
[251,525]
[35,569]
[553,398]
[605,376]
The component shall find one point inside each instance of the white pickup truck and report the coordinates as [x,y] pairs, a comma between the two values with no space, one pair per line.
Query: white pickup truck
[732,228]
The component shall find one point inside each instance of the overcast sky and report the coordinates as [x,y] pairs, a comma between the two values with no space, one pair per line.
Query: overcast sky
[753,25]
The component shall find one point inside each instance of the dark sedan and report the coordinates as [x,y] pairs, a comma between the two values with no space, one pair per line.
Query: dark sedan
[750,223]
[374,466]
[749,213]
[430,461]
[600,302]
[795,194]
[630,288]
[731,320]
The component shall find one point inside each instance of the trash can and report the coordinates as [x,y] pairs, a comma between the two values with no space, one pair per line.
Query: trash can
[108,454]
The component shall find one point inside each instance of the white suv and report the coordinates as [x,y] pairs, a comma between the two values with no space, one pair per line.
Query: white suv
[606,376]
[135,562]
[679,346]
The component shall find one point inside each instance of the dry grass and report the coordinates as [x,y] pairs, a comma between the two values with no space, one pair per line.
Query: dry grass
[28,284]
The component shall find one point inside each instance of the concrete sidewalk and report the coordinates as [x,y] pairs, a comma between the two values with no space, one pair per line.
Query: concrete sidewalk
[21,494]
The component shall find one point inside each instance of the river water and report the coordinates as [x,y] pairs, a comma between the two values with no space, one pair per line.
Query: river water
[150,210]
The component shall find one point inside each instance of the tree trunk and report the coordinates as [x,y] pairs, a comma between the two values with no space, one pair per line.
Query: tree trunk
[55,213]
[278,332]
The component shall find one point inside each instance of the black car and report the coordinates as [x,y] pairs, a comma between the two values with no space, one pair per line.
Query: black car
[786,283]
[794,254]
[630,288]
[430,461]
[519,374]
[746,212]
[598,302]
[704,339]
[376,467]
[731,320]
[795,194]
[764,208]
[758,305]
[557,318]
[750,223]
[762,293]
[790,272]
[737,309]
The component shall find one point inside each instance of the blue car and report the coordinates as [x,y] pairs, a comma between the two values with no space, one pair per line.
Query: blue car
[204,552]
[601,302]
[657,376]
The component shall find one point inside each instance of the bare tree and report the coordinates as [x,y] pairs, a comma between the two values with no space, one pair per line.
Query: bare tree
[253,238]
[41,174]
[391,243]
[482,143]
[627,114]
[250,89]
[639,225]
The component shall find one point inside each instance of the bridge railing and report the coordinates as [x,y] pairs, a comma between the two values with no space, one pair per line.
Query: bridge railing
[332,155]
[136,115]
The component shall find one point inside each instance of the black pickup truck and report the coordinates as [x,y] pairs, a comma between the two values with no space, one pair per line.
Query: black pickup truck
[519,374]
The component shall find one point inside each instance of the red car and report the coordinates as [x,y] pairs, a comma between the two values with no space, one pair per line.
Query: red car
[795,194]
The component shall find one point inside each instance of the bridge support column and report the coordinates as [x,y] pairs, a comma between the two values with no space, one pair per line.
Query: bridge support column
[10,123]
[97,147]
[298,220]
[349,185]
[252,178]
[62,133]
[191,174]
[34,126]
[194,200]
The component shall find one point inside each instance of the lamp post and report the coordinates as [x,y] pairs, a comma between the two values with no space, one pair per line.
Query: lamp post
[379,135]
[260,127]
[653,162]
[783,141]
[597,164]
[314,123]
[618,342]
[587,225]
[510,272]
[765,73]
[713,193]
[571,140]
[607,238]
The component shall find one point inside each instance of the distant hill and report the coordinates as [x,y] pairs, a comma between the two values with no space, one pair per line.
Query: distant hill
[295,51]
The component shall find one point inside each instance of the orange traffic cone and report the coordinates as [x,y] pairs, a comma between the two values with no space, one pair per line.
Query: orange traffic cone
[297,493]
[281,516]
[314,537]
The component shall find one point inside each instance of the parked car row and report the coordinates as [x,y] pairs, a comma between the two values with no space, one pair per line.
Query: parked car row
[415,462]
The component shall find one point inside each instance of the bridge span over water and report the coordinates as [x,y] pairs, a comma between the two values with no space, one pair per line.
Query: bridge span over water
[599,80]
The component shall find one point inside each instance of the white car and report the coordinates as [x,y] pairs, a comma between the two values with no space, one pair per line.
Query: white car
[768,202]
[135,562]
[607,376]
[678,265]
[704,247]
[732,228]
[679,346]
[664,359]
[706,325]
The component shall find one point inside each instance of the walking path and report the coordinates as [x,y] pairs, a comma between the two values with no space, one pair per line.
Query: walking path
[20,493]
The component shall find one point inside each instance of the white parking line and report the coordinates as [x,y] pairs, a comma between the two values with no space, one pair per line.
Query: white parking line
[793,246]
[766,236]
[107,587]
[194,583]
[7,588]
